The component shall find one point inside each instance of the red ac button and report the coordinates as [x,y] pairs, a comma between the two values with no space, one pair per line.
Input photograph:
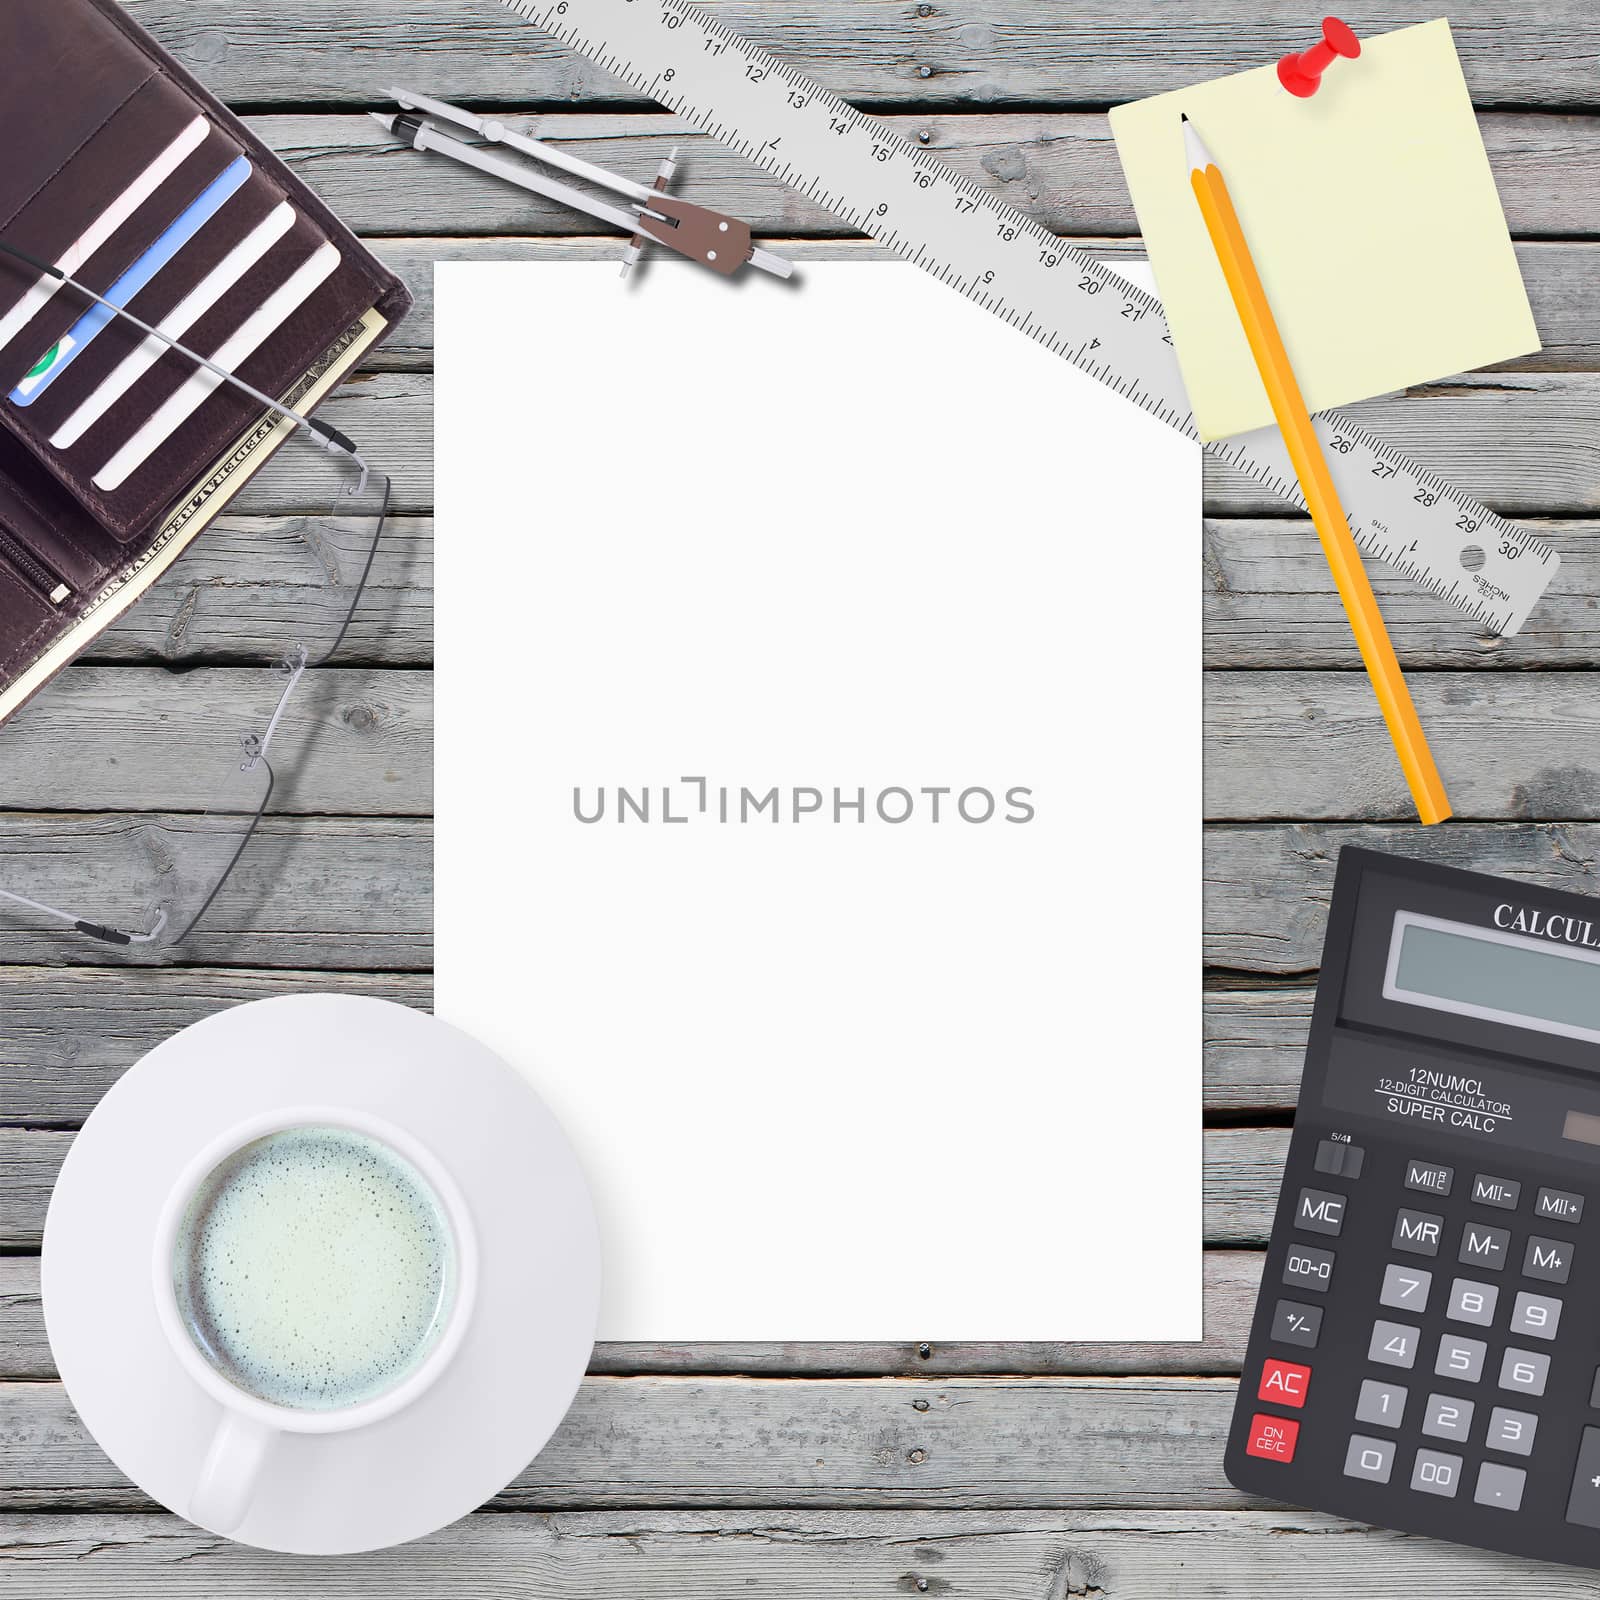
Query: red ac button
[1272,1437]
[1283,1383]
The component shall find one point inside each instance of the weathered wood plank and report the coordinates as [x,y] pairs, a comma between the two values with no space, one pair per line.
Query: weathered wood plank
[359,741]
[739,1441]
[875,51]
[67,1034]
[1243,1166]
[347,893]
[1563,281]
[1060,168]
[1268,602]
[244,588]
[1267,888]
[1495,435]
[353,740]
[663,1555]
[1231,1278]
[1527,443]
[1312,745]
[337,893]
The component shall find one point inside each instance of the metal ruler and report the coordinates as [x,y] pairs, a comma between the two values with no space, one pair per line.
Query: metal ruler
[1074,305]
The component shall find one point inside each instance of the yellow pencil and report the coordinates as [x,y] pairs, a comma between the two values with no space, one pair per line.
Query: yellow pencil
[1316,481]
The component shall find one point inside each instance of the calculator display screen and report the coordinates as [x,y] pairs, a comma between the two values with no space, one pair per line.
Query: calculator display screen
[1501,977]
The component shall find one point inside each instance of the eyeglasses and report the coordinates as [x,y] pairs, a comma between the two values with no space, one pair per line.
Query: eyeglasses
[332,556]
[297,622]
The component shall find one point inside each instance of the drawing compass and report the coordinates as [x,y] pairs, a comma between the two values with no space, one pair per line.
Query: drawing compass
[719,242]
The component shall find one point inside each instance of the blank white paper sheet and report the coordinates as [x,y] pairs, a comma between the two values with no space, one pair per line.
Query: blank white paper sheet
[818,794]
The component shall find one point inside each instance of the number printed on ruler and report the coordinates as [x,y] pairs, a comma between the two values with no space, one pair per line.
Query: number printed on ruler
[1075,306]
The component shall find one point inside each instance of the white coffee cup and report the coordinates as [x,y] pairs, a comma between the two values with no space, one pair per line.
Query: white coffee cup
[249,1424]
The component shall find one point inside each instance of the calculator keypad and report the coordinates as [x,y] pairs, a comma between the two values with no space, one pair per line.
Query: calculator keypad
[1463,1336]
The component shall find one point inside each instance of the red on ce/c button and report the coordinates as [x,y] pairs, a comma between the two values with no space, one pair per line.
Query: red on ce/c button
[1284,1383]
[1272,1437]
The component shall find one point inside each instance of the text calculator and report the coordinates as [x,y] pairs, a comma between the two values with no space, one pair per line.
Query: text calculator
[1425,1352]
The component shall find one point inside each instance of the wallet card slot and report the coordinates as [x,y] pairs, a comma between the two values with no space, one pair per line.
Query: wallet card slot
[66,352]
[171,300]
[285,329]
[234,354]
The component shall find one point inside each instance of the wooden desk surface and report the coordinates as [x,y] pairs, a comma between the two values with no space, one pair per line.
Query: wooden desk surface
[1014,1472]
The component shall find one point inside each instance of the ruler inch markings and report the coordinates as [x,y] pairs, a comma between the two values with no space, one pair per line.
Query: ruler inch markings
[1071,303]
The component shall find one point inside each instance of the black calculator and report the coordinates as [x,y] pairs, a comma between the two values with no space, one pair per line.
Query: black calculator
[1425,1352]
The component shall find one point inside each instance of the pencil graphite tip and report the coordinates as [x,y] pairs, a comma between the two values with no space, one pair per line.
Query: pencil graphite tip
[1195,149]
[384,119]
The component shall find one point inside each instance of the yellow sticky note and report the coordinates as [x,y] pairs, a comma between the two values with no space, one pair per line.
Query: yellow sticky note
[1370,211]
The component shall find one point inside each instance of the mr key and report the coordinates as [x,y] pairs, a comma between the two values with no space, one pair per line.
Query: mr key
[1425,1351]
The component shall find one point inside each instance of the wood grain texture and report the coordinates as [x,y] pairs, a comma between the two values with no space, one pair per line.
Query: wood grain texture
[332,892]
[982,52]
[1242,1172]
[664,1555]
[1523,442]
[67,1035]
[358,741]
[758,1442]
[1265,588]
[1269,602]
[1563,282]
[1311,745]
[1231,1277]
[353,740]
[368,880]
[247,588]
[1059,168]
[1268,887]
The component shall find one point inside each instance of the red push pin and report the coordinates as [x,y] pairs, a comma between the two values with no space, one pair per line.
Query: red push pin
[1302,74]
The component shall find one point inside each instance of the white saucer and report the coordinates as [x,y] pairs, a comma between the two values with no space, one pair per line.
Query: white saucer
[531,1334]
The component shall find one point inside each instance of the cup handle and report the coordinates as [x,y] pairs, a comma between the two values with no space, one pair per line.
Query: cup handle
[227,1480]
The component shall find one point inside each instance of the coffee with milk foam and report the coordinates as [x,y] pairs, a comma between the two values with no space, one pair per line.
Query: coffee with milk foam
[314,1268]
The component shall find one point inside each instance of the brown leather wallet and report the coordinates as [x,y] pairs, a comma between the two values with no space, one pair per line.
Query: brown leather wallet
[104,153]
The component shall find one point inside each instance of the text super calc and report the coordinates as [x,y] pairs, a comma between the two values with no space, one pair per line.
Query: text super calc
[1425,1351]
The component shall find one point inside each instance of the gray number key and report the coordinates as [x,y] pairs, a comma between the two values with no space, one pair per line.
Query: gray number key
[1434,1472]
[1460,1358]
[1382,1405]
[1511,1431]
[1369,1458]
[1393,1344]
[1405,1288]
[1447,1417]
[1524,1370]
[1471,1301]
[1538,1315]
